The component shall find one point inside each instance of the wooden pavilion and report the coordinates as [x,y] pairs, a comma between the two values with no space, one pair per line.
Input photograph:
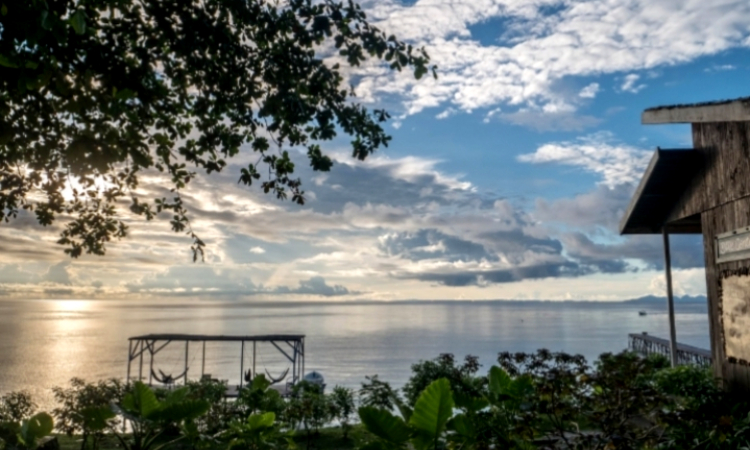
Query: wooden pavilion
[706,190]
[291,346]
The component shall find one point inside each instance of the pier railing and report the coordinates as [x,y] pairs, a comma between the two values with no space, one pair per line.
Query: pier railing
[645,344]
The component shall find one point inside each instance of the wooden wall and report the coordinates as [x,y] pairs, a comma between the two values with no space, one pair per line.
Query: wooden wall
[725,176]
[716,221]
[720,193]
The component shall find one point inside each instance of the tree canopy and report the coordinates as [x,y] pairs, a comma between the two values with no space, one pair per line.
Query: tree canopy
[95,93]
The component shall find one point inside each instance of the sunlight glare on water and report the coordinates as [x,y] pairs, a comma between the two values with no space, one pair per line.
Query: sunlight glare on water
[45,343]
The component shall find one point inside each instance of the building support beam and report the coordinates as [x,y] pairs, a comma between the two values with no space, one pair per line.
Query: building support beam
[670,298]
[242,364]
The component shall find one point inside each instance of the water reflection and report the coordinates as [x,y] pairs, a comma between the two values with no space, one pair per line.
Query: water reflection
[44,344]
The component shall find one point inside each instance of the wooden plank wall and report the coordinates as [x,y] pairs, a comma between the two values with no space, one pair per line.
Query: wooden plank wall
[716,221]
[725,176]
[721,194]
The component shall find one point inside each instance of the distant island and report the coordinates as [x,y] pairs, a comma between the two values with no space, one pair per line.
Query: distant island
[649,299]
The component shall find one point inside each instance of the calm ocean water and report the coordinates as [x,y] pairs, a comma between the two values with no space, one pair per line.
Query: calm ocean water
[45,343]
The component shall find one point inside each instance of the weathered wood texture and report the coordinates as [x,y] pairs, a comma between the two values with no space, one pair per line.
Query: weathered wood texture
[720,194]
[716,221]
[725,175]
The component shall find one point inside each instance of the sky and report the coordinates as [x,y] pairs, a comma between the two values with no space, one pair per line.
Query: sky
[506,177]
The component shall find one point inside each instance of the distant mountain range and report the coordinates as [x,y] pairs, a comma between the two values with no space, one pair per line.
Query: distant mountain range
[649,299]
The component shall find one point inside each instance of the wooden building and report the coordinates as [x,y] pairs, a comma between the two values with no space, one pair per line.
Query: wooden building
[706,190]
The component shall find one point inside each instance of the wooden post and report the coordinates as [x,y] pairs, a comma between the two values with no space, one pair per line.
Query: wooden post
[151,364]
[203,363]
[184,381]
[140,368]
[670,298]
[130,358]
[242,364]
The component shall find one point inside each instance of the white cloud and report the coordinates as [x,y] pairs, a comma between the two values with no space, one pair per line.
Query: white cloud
[257,250]
[615,163]
[589,91]
[445,114]
[629,84]
[551,121]
[584,38]
[720,68]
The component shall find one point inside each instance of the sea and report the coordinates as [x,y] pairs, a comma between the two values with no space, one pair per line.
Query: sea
[45,343]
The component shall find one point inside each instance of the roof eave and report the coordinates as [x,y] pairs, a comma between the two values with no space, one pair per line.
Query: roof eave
[731,111]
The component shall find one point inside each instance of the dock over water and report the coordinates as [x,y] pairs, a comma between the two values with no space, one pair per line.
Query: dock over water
[645,345]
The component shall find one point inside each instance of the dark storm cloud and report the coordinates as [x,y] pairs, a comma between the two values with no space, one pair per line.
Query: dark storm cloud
[686,252]
[431,244]
[459,278]
[314,286]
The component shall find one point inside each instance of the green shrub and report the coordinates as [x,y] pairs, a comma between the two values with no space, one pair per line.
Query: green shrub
[343,407]
[75,415]
[378,394]
[16,406]
[462,378]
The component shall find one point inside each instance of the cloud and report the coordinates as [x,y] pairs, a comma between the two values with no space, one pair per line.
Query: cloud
[629,84]
[433,244]
[615,163]
[315,286]
[720,68]
[686,252]
[445,114]
[551,121]
[226,282]
[257,250]
[589,91]
[535,48]
[601,207]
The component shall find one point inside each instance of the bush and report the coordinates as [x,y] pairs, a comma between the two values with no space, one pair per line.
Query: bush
[378,394]
[16,406]
[343,407]
[77,403]
[462,378]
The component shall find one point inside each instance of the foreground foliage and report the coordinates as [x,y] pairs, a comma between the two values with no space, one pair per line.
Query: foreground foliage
[543,400]
[94,93]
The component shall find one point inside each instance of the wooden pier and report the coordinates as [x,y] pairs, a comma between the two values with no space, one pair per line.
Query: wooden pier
[645,345]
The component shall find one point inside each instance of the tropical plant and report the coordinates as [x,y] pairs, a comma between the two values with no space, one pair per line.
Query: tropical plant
[83,407]
[258,432]
[378,394]
[156,424]
[257,397]
[462,377]
[425,428]
[309,408]
[95,93]
[498,418]
[27,434]
[220,412]
[343,407]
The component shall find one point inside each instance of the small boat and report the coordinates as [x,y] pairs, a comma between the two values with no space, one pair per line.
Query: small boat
[642,313]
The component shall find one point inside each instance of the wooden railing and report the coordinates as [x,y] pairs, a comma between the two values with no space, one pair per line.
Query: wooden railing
[645,344]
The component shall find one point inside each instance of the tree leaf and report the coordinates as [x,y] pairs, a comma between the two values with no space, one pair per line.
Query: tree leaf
[384,425]
[36,427]
[258,421]
[433,409]
[141,401]
[498,381]
[78,21]
[96,418]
